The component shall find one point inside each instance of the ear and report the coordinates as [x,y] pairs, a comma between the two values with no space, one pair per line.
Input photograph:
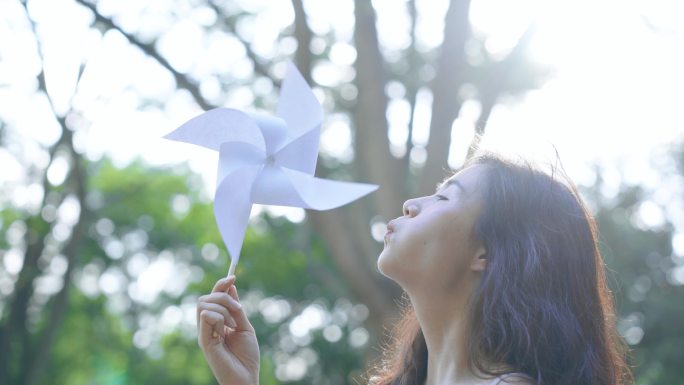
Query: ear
[479,261]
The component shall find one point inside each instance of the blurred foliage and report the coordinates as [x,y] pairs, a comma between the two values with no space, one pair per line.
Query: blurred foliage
[645,273]
[113,336]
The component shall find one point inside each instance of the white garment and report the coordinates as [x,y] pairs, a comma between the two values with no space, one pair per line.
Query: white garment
[503,377]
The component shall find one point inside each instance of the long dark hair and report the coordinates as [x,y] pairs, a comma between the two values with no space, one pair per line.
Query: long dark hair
[542,306]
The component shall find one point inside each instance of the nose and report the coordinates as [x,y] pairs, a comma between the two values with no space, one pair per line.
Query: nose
[411,208]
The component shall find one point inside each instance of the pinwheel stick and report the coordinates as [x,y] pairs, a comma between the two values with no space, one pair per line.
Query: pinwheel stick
[231,269]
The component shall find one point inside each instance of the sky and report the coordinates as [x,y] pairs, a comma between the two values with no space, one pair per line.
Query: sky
[615,96]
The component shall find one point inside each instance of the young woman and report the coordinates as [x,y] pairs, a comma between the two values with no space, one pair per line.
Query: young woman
[504,285]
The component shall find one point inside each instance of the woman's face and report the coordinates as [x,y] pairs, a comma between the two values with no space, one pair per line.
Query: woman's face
[432,244]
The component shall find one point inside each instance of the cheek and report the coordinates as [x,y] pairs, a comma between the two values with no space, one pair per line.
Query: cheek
[409,253]
[447,248]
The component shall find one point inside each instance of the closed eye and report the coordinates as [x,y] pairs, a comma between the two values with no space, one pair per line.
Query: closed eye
[441,197]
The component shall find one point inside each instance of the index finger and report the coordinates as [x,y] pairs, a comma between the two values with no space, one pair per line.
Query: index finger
[223,284]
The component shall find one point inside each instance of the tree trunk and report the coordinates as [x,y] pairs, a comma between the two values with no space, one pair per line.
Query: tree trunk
[373,159]
[41,353]
[446,104]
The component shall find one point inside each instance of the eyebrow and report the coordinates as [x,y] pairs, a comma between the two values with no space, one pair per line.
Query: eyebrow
[450,182]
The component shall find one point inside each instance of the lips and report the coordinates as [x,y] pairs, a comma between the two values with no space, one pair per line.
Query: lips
[390,230]
[387,237]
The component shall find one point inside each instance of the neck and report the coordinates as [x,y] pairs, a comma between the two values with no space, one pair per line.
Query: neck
[443,324]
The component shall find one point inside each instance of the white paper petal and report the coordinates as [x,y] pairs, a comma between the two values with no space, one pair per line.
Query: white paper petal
[217,126]
[274,187]
[286,187]
[300,154]
[235,155]
[232,205]
[298,105]
[326,194]
[273,129]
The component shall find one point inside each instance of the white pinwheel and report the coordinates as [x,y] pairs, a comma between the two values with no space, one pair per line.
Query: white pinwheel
[267,160]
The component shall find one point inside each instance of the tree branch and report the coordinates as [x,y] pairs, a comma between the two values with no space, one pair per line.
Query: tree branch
[182,80]
[495,84]
[259,67]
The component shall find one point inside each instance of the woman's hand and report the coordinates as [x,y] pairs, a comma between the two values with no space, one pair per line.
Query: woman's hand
[226,337]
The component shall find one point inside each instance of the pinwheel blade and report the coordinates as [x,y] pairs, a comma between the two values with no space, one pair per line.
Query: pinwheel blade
[298,105]
[326,194]
[236,155]
[301,154]
[286,187]
[217,126]
[274,187]
[232,205]
[274,131]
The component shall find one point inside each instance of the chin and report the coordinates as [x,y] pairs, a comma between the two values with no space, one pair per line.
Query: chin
[390,266]
[385,263]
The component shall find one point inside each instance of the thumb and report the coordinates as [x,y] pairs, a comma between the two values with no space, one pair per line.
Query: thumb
[241,321]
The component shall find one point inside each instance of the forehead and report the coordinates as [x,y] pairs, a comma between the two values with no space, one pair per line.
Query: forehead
[466,180]
[451,182]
